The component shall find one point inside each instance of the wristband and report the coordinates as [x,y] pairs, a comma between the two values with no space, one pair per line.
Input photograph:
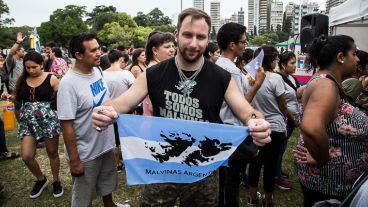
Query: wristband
[16,42]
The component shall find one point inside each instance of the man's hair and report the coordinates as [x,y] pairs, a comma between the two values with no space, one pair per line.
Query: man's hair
[211,48]
[104,49]
[196,14]
[76,43]
[114,56]
[57,52]
[50,44]
[120,47]
[229,32]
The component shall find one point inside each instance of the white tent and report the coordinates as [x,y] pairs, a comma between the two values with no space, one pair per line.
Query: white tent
[351,18]
[350,10]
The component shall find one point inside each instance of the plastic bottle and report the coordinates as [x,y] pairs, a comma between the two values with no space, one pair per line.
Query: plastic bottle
[9,120]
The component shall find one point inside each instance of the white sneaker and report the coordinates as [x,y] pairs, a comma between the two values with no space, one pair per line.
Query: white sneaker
[122,205]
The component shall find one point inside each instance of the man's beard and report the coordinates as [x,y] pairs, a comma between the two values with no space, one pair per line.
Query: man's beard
[186,58]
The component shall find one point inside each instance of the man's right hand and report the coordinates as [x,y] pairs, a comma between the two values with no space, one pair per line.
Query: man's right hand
[103,116]
[76,168]
[20,37]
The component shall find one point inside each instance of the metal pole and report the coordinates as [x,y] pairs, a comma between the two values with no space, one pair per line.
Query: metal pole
[181,5]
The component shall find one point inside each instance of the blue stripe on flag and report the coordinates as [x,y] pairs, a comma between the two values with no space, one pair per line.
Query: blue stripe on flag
[161,150]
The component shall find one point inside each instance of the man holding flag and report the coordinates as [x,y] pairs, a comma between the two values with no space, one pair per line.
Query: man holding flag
[186,81]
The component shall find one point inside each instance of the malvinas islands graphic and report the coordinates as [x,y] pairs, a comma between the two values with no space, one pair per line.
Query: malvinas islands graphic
[174,144]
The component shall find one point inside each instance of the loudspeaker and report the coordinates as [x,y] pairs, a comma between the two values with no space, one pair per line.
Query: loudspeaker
[312,26]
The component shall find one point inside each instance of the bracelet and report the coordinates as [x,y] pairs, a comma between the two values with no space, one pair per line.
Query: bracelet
[16,42]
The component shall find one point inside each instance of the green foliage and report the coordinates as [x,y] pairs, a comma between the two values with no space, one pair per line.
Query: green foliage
[101,15]
[4,9]
[113,34]
[141,35]
[153,18]
[268,38]
[165,28]
[63,24]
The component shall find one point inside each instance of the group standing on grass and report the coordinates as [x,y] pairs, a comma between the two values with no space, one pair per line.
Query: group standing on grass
[332,148]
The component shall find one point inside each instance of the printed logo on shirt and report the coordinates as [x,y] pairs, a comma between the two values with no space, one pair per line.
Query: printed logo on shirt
[98,91]
[178,106]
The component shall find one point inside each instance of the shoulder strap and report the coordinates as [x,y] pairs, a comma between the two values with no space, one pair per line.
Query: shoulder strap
[12,66]
[100,69]
[287,81]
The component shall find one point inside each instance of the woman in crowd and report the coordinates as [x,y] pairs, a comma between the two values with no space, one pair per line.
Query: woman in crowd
[331,152]
[138,65]
[287,66]
[362,99]
[59,66]
[160,47]
[212,52]
[270,100]
[36,90]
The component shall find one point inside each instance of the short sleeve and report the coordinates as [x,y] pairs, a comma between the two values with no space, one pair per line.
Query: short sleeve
[67,101]
[279,85]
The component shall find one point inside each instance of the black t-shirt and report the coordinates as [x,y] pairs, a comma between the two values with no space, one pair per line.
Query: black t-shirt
[203,104]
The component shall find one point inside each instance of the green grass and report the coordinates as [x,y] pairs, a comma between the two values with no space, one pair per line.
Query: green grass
[18,181]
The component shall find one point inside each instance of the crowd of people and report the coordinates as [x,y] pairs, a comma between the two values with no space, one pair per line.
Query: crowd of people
[82,98]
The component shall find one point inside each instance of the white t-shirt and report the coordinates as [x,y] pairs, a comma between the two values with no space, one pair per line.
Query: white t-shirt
[118,81]
[226,114]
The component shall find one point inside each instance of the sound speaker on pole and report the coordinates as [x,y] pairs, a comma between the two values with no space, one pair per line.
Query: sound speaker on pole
[312,26]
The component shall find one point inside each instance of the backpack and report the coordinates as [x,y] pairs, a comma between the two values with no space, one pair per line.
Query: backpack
[6,71]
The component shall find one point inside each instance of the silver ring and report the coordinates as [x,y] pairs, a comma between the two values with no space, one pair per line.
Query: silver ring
[98,129]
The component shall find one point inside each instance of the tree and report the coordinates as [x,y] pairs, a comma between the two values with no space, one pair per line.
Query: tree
[97,11]
[154,18]
[63,24]
[6,36]
[141,35]
[141,19]
[269,38]
[213,35]
[255,30]
[278,27]
[165,28]
[114,34]
[101,15]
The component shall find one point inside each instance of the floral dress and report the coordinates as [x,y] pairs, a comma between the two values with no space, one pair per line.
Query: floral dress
[348,149]
[37,118]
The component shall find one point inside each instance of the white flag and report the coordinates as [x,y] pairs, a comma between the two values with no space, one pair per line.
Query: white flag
[254,65]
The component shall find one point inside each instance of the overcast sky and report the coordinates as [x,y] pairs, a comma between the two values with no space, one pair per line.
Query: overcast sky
[34,12]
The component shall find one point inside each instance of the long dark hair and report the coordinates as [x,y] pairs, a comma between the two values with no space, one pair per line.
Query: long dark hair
[136,54]
[324,49]
[270,54]
[30,56]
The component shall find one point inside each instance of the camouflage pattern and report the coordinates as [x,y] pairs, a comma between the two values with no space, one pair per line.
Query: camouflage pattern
[203,193]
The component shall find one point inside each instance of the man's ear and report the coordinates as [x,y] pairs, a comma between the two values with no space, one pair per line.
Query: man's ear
[79,55]
[176,35]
